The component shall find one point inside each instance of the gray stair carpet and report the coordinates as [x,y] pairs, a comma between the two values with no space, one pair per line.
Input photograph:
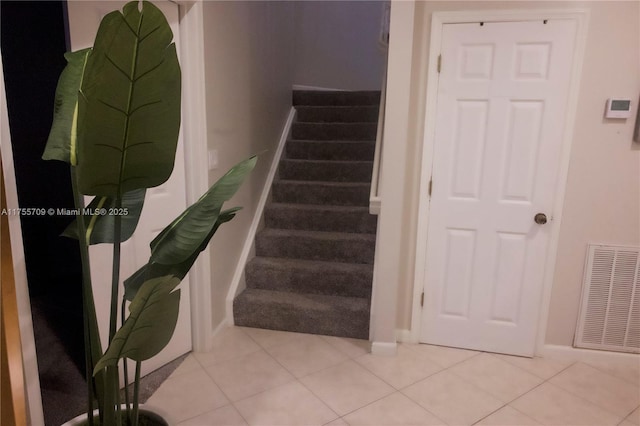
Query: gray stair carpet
[314,259]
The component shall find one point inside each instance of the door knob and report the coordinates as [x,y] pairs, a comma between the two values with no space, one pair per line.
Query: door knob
[540,218]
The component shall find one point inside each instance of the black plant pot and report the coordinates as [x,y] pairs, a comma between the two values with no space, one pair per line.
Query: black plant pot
[148,416]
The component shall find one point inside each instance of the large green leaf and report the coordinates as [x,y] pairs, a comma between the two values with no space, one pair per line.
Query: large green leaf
[100,225]
[187,232]
[65,111]
[150,325]
[153,270]
[129,106]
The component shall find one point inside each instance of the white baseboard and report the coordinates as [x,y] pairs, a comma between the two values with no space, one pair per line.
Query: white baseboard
[223,324]
[561,353]
[403,335]
[571,354]
[317,88]
[384,348]
[251,235]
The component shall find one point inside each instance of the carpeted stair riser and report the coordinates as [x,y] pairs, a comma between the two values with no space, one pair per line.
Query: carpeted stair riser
[303,313]
[344,114]
[324,246]
[335,150]
[335,98]
[334,131]
[326,171]
[320,218]
[309,277]
[334,193]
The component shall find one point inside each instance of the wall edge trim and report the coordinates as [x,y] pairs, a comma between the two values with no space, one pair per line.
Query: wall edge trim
[236,282]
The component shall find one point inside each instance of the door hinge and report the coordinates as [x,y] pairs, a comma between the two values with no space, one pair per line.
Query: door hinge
[439,62]
[422,299]
[430,186]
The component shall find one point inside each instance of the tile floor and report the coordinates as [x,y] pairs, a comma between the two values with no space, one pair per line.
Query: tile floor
[264,377]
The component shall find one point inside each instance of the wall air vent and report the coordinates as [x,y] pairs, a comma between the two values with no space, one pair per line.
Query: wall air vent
[610,311]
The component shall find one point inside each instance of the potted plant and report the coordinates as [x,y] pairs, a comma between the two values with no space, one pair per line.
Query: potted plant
[116,122]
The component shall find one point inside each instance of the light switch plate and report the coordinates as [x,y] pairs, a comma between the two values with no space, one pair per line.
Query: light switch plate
[213,159]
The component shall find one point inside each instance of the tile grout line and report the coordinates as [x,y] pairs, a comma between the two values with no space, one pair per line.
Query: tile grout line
[349,358]
[317,396]
[628,415]
[404,387]
[233,403]
[297,379]
[522,395]
[635,383]
[395,390]
[452,365]
[582,398]
[524,369]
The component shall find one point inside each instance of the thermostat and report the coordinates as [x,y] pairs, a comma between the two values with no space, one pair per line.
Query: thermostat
[618,108]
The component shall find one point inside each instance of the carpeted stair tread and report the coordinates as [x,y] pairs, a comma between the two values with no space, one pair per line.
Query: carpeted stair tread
[313,217]
[304,313]
[345,114]
[333,131]
[326,171]
[330,150]
[315,245]
[309,276]
[335,98]
[321,192]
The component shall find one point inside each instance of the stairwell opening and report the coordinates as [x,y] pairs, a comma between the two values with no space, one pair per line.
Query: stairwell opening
[313,268]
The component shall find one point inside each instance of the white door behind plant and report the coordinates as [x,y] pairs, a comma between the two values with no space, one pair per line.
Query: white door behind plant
[161,206]
[502,95]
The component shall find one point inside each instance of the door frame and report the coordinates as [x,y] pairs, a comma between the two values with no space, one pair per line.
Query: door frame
[194,126]
[438,20]
[33,401]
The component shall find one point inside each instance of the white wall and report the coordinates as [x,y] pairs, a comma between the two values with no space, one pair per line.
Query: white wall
[602,202]
[249,73]
[337,45]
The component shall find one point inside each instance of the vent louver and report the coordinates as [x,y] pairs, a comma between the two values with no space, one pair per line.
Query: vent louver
[610,311]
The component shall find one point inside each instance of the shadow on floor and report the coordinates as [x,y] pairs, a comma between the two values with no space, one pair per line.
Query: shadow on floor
[62,382]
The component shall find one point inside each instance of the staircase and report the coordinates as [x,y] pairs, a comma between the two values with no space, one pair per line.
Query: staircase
[314,259]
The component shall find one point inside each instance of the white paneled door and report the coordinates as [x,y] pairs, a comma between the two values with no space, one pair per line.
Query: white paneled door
[502,95]
[162,204]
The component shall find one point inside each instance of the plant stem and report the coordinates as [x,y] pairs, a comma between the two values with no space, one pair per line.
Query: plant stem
[115,276]
[110,391]
[90,326]
[116,391]
[136,393]
[113,316]
[125,368]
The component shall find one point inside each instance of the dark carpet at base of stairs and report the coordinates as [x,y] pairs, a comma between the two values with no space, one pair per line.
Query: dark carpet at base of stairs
[62,385]
[303,313]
